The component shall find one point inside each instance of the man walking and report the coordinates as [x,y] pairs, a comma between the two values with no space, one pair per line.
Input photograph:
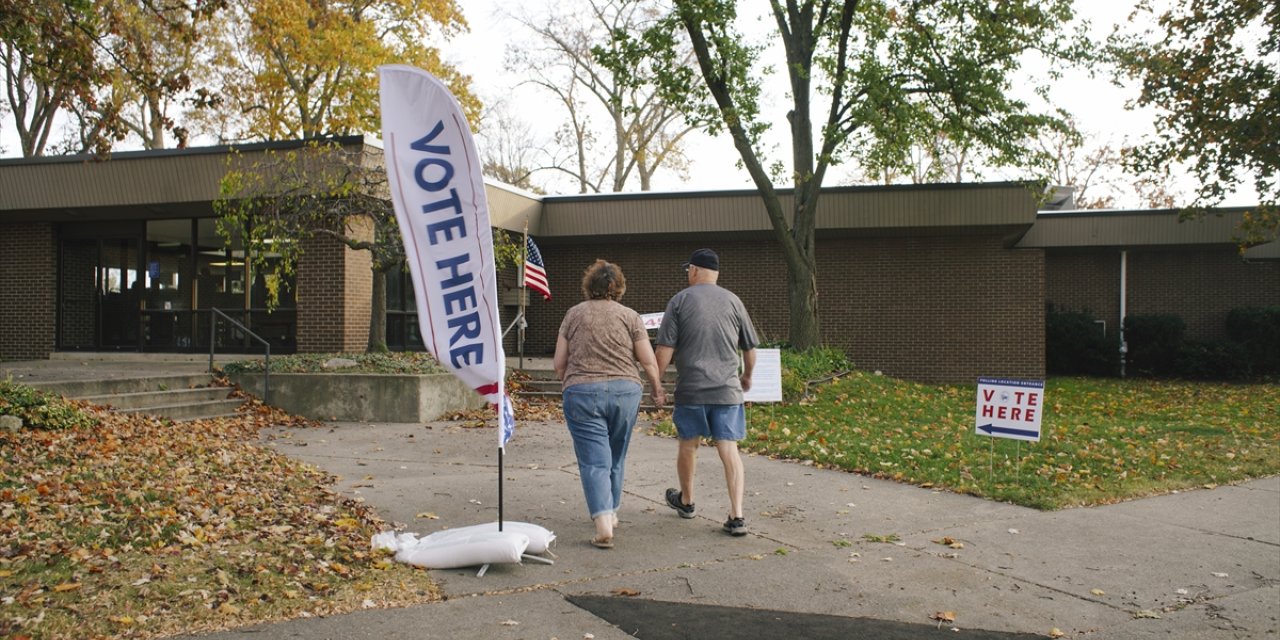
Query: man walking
[703,329]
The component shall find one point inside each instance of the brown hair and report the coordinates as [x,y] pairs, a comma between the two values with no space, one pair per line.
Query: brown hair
[603,281]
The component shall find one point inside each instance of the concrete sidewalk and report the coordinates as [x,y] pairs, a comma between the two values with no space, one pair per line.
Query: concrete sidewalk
[1198,564]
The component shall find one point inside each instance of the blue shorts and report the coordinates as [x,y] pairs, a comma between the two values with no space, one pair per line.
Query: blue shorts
[715,421]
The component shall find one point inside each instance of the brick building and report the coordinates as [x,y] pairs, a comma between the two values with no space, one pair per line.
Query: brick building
[933,283]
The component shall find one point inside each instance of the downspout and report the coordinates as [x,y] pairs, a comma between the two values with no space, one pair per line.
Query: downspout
[1124,284]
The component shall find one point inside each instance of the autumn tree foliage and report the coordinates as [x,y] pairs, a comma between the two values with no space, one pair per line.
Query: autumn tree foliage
[111,68]
[863,77]
[1212,70]
[619,129]
[293,69]
[48,49]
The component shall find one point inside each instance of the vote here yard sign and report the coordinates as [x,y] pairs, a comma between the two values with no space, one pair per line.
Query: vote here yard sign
[1010,408]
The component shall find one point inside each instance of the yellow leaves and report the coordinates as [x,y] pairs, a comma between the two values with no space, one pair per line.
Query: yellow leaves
[66,586]
[427,515]
[121,620]
[1056,633]
[948,541]
[944,616]
[228,609]
[625,592]
[346,523]
[1098,592]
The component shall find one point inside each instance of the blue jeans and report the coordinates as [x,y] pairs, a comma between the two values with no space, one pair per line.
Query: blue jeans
[600,417]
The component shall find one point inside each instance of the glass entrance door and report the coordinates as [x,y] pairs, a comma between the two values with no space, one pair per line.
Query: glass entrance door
[100,284]
[120,287]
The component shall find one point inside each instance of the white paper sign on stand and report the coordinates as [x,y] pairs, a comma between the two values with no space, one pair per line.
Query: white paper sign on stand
[652,321]
[766,378]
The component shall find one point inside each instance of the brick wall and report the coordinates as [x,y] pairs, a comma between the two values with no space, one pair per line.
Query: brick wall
[27,291]
[335,286]
[1201,285]
[1086,281]
[929,309]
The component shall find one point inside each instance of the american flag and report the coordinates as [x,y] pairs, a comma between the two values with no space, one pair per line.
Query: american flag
[535,274]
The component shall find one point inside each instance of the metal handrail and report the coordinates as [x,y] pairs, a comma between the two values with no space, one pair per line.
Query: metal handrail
[213,343]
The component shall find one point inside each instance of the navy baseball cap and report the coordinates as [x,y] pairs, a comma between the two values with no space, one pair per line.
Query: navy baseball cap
[705,258]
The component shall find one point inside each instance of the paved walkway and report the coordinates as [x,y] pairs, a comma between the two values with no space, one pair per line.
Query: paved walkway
[1201,564]
[1207,562]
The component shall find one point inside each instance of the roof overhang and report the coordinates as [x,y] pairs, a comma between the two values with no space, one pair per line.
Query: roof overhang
[1127,229]
[1006,209]
[176,183]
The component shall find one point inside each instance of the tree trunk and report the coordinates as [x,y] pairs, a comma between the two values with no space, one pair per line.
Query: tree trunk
[378,313]
[802,298]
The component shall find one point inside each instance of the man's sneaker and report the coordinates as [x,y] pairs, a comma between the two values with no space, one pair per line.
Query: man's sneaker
[675,501]
[735,527]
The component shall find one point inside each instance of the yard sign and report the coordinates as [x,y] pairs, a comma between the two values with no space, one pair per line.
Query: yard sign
[1010,408]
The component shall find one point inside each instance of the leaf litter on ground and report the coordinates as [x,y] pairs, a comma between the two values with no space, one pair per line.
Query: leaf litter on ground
[130,526]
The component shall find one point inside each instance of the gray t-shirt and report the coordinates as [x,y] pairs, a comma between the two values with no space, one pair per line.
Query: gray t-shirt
[706,325]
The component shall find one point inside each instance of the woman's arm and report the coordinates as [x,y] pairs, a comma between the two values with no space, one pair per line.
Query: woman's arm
[561,359]
[644,353]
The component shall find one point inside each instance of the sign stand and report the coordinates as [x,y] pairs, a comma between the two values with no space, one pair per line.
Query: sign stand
[766,379]
[1008,408]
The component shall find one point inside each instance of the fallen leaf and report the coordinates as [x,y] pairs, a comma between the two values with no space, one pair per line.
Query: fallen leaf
[509,623]
[624,591]
[427,515]
[1098,592]
[1146,613]
[67,586]
[1219,574]
[1056,633]
[228,609]
[945,616]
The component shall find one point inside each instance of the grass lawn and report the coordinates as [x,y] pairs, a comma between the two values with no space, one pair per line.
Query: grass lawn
[1102,440]
[133,527]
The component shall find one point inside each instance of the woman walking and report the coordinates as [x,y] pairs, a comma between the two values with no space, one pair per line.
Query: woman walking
[599,344]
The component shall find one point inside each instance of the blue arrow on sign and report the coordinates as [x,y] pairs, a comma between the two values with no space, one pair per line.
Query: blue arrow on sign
[1025,433]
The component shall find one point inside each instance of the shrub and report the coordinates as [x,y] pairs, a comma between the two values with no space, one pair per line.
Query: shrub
[1075,344]
[1154,343]
[39,409]
[1257,329]
[1200,360]
[799,368]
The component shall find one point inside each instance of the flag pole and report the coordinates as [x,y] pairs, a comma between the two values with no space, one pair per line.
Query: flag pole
[524,292]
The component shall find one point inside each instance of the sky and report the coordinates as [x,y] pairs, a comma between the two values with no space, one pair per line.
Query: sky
[1097,104]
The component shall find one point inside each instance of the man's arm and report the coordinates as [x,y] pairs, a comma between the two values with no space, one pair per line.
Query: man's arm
[663,354]
[748,366]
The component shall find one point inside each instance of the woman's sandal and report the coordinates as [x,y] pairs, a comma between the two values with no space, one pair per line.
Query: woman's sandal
[602,543]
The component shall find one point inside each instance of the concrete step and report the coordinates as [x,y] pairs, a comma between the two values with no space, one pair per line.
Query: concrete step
[145,399]
[123,385]
[534,386]
[186,411]
[178,396]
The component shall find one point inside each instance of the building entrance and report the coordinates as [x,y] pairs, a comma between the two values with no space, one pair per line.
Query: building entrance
[99,286]
[150,286]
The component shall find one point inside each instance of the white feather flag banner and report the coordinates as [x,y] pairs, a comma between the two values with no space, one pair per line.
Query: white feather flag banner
[438,192]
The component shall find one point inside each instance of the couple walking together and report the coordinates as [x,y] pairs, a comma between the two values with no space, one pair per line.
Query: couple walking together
[599,343]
